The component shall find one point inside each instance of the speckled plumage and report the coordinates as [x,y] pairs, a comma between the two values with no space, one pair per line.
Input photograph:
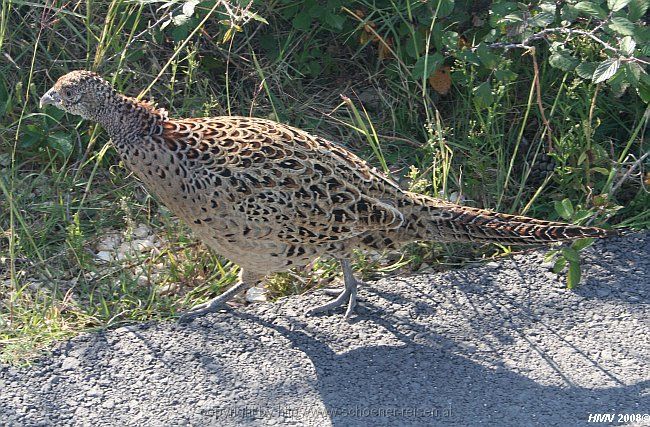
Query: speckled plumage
[271,197]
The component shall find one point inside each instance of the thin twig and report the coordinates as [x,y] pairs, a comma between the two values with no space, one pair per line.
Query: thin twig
[538,89]
[627,174]
[525,44]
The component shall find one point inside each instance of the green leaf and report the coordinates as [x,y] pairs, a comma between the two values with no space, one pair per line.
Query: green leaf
[483,95]
[573,278]
[431,62]
[31,137]
[505,76]
[550,255]
[302,21]
[559,265]
[542,19]
[591,9]
[633,72]
[317,11]
[644,88]
[568,206]
[564,208]
[335,21]
[616,5]
[255,16]
[586,70]
[415,45]
[469,57]
[563,61]
[568,14]
[606,69]
[450,40]
[580,244]
[627,45]
[61,142]
[637,9]
[444,7]
[489,59]
[622,26]
[571,254]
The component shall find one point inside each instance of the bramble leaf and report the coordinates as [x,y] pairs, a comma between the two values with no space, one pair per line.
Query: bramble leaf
[606,70]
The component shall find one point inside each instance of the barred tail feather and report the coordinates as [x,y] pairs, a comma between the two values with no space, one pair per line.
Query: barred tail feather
[449,222]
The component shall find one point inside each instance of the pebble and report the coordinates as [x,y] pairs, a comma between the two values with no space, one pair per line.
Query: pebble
[256,294]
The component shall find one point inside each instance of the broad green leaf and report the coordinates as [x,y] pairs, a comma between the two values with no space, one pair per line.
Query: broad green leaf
[559,265]
[302,21]
[633,72]
[622,26]
[335,21]
[487,57]
[416,44]
[586,70]
[542,19]
[32,136]
[563,61]
[642,36]
[450,40]
[469,56]
[483,95]
[568,206]
[550,255]
[573,278]
[444,7]
[644,88]
[60,142]
[426,65]
[571,254]
[591,9]
[505,76]
[568,14]
[317,11]
[627,45]
[580,244]
[606,69]
[637,9]
[564,208]
[616,5]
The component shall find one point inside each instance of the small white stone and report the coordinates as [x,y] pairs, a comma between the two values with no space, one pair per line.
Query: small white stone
[109,243]
[168,289]
[256,294]
[105,256]
[141,231]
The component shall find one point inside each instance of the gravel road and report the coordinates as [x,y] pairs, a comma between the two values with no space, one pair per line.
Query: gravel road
[501,344]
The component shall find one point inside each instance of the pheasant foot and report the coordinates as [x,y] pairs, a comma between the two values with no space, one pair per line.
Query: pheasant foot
[213,305]
[348,295]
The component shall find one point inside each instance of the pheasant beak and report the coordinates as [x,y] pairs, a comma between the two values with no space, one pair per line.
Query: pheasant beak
[51,97]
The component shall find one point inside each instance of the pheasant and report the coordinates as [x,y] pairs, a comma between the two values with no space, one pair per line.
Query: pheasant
[271,197]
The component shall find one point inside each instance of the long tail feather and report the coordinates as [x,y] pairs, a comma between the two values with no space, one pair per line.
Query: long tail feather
[448,222]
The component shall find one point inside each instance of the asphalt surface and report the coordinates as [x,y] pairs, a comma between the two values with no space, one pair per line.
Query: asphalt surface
[500,344]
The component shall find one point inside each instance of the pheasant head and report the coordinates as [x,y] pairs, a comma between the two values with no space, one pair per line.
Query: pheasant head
[86,94]
[80,92]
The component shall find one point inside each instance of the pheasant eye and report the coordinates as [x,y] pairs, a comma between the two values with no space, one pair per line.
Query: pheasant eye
[68,93]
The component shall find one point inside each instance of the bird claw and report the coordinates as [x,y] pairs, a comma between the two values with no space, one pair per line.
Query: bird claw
[211,306]
[348,295]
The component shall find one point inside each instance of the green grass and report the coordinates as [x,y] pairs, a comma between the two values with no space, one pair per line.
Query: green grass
[62,188]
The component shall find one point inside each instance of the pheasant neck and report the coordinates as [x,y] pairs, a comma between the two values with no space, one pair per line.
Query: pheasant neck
[126,119]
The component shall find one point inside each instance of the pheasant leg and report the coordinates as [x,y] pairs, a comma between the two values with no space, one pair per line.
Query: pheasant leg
[214,304]
[348,295]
